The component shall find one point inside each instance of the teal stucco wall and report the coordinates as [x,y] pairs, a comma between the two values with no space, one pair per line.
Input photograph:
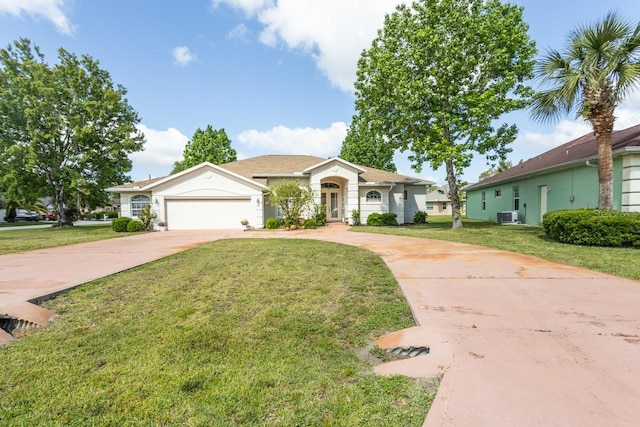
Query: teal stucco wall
[573,188]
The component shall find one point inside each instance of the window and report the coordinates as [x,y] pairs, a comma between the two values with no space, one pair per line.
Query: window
[444,206]
[483,202]
[429,206]
[516,198]
[138,203]
[329,185]
[374,196]
[498,192]
[406,194]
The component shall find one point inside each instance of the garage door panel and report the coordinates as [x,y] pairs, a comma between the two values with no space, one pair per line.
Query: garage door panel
[207,214]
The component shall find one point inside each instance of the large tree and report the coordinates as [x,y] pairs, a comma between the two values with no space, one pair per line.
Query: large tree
[363,147]
[65,130]
[209,145]
[599,67]
[438,76]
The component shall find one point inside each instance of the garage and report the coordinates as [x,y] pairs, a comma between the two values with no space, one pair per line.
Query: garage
[207,214]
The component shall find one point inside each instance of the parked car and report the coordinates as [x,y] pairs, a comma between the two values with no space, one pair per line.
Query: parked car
[25,215]
[49,216]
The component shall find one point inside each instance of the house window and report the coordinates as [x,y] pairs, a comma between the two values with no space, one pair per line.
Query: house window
[444,206]
[483,202]
[374,196]
[498,192]
[516,198]
[138,203]
[406,194]
[429,206]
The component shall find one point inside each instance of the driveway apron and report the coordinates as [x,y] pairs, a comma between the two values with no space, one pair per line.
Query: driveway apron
[518,340]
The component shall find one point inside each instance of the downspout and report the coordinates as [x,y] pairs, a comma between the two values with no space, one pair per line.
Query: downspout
[588,163]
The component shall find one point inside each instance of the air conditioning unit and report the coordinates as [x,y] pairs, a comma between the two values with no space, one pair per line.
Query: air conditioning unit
[508,217]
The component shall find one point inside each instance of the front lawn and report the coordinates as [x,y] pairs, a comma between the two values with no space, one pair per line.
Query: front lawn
[524,239]
[29,239]
[238,332]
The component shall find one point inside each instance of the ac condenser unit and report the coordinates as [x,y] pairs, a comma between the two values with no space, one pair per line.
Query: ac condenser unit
[508,217]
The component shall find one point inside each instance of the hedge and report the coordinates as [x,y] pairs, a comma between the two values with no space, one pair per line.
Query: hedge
[272,224]
[134,226]
[120,224]
[593,227]
[375,219]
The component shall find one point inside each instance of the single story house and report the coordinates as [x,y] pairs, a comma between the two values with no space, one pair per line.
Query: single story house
[439,202]
[209,196]
[565,177]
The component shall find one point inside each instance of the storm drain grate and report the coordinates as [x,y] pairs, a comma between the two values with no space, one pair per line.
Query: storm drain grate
[12,325]
[408,351]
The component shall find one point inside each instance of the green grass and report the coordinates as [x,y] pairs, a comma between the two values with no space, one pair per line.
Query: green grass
[28,239]
[530,240]
[232,333]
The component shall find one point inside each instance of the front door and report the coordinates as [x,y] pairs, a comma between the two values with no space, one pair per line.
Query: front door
[330,197]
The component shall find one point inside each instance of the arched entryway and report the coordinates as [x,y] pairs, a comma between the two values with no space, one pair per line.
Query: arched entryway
[332,197]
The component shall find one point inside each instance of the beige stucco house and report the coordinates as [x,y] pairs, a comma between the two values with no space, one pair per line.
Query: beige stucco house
[210,196]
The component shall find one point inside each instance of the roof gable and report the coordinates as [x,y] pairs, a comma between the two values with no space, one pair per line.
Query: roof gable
[150,184]
[576,151]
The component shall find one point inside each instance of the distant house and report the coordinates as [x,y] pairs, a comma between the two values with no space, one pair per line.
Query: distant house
[210,196]
[439,202]
[565,177]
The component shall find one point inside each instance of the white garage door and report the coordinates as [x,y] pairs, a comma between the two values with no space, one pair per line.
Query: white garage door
[207,214]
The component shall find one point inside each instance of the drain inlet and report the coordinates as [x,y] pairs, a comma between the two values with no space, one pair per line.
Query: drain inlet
[14,326]
[408,351]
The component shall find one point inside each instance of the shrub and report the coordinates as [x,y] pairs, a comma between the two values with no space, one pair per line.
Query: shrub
[147,217]
[289,223]
[272,224]
[119,225]
[389,219]
[355,217]
[320,214]
[374,219]
[310,224]
[135,225]
[593,227]
[420,217]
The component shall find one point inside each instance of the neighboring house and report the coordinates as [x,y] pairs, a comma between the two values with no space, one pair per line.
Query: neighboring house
[439,202]
[210,196]
[565,177]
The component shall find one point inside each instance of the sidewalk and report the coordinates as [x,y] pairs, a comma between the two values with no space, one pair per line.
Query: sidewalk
[519,340]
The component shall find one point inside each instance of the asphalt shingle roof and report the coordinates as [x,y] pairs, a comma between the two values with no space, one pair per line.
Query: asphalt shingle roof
[258,168]
[583,148]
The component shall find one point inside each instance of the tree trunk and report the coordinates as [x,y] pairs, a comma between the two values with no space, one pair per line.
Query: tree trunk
[454,196]
[605,172]
[603,130]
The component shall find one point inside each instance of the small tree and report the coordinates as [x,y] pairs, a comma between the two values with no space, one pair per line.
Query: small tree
[293,198]
[440,75]
[209,145]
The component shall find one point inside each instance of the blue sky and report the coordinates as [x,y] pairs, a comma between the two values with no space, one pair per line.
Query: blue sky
[277,75]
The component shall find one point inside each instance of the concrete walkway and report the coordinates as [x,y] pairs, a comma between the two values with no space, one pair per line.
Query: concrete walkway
[520,341]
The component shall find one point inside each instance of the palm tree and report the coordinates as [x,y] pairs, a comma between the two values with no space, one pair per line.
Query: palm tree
[600,66]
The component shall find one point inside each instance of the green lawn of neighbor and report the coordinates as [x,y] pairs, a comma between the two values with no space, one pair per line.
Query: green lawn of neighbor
[524,239]
[28,239]
[239,332]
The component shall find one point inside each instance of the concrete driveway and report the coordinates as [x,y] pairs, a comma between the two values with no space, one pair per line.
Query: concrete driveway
[519,340]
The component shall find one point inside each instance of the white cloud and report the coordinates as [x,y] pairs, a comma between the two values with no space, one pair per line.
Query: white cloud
[283,140]
[563,132]
[628,113]
[333,32]
[48,9]
[183,55]
[249,7]
[162,149]
[240,32]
